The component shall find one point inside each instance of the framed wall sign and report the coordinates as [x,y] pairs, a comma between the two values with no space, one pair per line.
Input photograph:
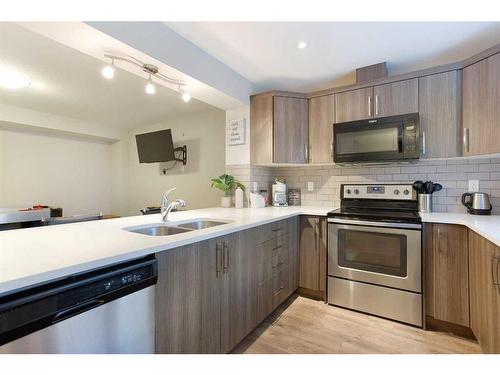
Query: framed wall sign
[235,132]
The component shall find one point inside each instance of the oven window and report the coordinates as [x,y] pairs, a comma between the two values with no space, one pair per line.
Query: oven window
[366,141]
[375,252]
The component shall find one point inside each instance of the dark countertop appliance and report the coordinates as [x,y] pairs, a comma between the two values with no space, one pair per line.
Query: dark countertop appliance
[377,140]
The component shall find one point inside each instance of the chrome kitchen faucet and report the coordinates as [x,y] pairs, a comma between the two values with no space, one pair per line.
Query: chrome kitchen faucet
[167,207]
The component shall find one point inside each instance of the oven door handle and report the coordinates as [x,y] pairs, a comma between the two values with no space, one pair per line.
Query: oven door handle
[375,223]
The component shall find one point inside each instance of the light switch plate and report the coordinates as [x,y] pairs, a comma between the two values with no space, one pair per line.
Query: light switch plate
[255,186]
[310,186]
[473,186]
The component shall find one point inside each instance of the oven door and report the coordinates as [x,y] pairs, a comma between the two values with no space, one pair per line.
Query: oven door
[374,254]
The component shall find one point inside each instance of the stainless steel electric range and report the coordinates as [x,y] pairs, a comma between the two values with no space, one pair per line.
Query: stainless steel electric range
[375,252]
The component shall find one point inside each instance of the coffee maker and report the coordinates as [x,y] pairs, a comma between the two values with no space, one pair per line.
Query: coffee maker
[279,193]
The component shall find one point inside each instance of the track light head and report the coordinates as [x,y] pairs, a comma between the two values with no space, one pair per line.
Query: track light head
[150,88]
[184,95]
[108,71]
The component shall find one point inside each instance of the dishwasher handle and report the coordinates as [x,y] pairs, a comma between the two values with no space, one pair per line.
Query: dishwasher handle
[78,309]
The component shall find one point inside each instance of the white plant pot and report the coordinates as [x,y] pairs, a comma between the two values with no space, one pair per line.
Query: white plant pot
[225,202]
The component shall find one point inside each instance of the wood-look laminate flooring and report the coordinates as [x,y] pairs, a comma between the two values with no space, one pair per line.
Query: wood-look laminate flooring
[305,326]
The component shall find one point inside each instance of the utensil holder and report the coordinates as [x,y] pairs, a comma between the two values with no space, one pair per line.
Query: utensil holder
[425,202]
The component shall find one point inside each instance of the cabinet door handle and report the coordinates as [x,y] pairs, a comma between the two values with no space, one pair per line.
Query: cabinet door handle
[316,236]
[466,139]
[306,152]
[225,256]
[331,149]
[495,261]
[277,229]
[369,106]
[376,105]
[218,258]
[423,143]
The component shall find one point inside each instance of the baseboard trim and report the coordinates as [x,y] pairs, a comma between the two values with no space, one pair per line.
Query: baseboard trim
[311,293]
[442,326]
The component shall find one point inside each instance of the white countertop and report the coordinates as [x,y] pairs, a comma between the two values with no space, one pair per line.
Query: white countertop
[34,255]
[486,226]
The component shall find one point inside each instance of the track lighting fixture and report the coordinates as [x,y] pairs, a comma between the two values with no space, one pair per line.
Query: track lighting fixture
[152,70]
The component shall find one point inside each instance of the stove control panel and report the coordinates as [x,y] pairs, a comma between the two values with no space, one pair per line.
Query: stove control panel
[382,191]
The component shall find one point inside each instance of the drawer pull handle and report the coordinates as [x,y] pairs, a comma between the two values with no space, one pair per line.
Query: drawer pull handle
[277,247]
[277,229]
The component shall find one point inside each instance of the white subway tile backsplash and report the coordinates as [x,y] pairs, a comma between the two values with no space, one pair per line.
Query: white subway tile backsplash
[453,174]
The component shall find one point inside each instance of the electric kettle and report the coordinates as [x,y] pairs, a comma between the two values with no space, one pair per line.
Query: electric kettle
[477,203]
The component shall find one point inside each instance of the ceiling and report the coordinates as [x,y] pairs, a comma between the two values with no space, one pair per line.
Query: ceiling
[68,83]
[266,53]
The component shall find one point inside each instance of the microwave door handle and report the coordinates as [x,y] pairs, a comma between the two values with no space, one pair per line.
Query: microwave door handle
[400,140]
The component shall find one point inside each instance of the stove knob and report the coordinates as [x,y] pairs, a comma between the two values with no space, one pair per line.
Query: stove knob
[356,191]
[348,191]
[396,192]
[406,192]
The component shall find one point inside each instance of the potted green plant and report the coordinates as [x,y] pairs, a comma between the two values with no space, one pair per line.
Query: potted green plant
[226,183]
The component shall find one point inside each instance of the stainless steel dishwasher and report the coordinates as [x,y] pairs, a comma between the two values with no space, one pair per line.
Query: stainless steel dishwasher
[108,310]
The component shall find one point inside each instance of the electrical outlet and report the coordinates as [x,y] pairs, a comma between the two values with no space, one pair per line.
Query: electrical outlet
[473,186]
[310,186]
[255,186]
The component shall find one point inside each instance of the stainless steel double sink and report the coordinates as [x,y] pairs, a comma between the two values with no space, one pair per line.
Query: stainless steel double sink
[168,229]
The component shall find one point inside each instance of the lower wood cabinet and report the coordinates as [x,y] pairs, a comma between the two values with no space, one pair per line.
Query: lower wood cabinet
[484,269]
[188,299]
[213,293]
[312,253]
[446,273]
[240,288]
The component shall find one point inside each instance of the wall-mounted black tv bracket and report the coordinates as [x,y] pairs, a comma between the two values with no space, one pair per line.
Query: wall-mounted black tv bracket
[184,155]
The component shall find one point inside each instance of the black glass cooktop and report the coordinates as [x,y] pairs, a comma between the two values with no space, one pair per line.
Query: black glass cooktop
[367,214]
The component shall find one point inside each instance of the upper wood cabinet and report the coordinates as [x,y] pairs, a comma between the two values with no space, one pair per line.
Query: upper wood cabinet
[390,99]
[312,253]
[481,109]
[396,98]
[440,100]
[353,105]
[279,129]
[484,271]
[321,119]
[261,129]
[446,273]
[291,132]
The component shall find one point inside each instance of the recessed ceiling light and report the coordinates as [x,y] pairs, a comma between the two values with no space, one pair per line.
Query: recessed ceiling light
[11,79]
[301,45]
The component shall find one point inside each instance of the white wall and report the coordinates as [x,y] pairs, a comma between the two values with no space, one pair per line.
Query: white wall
[57,170]
[239,154]
[204,135]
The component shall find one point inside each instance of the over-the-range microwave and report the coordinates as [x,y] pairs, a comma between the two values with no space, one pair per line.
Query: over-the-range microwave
[377,140]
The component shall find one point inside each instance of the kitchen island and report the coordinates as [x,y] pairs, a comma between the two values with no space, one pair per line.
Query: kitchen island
[36,255]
